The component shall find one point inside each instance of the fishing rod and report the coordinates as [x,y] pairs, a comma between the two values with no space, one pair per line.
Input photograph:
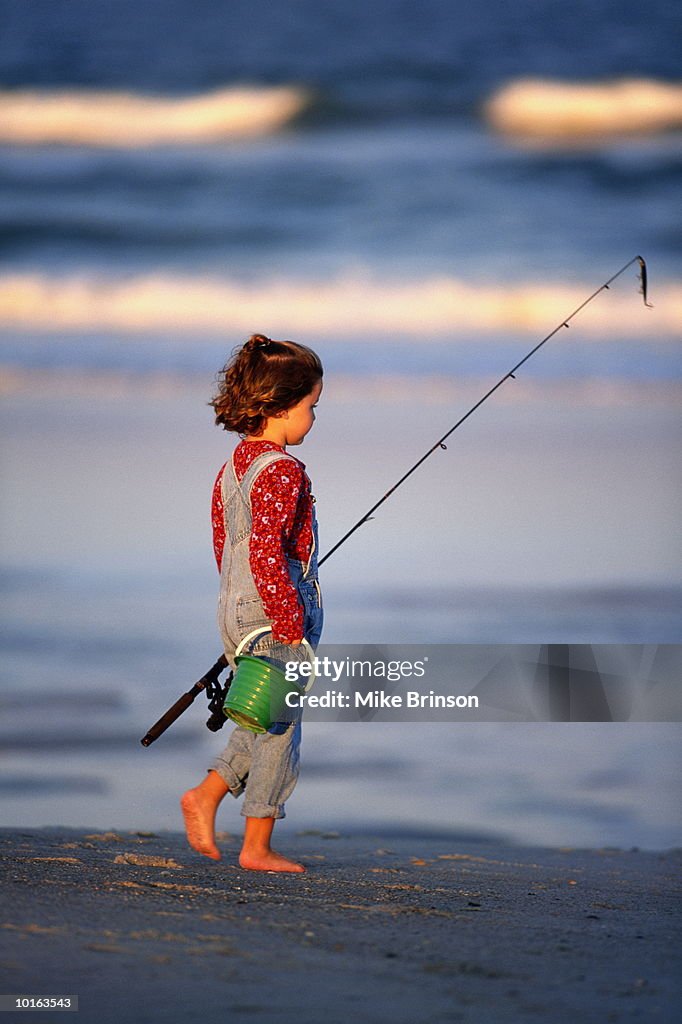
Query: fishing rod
[210,682]
[216,693]
[440,443]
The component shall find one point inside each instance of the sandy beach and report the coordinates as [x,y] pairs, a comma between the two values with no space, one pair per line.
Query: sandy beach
[141,928]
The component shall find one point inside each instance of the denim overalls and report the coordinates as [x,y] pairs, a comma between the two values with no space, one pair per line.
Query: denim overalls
[264,766]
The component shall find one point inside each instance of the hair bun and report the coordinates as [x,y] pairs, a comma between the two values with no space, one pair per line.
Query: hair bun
[257,341]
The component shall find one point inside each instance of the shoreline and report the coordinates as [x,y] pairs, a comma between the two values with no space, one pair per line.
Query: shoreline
[392,928]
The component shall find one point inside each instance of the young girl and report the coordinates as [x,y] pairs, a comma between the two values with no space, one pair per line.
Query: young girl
[265,541]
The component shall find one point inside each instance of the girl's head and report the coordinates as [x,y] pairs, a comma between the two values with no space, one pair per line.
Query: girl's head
[265,380]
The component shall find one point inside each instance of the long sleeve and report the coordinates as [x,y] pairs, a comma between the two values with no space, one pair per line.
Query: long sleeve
[275,498]
[218,518]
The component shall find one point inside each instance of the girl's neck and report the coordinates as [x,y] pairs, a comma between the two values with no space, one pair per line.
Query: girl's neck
[263,437]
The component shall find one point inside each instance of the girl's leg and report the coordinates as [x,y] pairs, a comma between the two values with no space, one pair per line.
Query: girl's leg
[257,854]
[274,771]
[199,806]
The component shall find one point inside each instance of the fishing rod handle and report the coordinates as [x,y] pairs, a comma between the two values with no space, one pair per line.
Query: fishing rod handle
[214,671]
[171,715]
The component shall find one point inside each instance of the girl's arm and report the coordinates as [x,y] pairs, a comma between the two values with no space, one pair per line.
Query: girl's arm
[218,518]
[274,499]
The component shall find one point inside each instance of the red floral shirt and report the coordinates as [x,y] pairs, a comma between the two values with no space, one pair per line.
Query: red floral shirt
[282,526]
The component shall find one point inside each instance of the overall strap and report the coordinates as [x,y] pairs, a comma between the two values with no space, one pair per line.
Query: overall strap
[260,463]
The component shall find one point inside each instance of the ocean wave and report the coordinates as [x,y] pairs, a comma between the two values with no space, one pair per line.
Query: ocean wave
[350,306]
[539,109]
[92,118]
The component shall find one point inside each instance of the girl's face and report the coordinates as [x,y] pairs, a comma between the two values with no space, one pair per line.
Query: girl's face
[297,421]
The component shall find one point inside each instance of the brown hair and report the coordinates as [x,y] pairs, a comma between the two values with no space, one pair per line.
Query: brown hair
[263,377]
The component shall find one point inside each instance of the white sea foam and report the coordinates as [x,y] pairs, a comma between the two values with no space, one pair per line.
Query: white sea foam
[561,111]
[357,306]
[123,119]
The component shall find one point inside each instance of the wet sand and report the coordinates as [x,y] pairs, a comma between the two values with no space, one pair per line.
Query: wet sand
[379,929]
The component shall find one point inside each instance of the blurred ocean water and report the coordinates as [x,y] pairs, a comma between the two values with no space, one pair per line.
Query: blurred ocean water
[330,172]
[390,170]
[108,611]
[90,663]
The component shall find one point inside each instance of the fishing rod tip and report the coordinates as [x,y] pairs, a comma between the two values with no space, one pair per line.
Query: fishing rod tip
[643,278]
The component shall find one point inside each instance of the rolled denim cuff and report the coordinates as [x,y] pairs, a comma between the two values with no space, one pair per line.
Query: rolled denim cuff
[229,777]
[255,810]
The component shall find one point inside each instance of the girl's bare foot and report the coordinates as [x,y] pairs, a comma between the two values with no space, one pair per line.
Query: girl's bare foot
[257,855]
[199,806]
[268,860]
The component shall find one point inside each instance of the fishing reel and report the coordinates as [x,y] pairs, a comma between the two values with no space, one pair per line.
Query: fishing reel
[216,693]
